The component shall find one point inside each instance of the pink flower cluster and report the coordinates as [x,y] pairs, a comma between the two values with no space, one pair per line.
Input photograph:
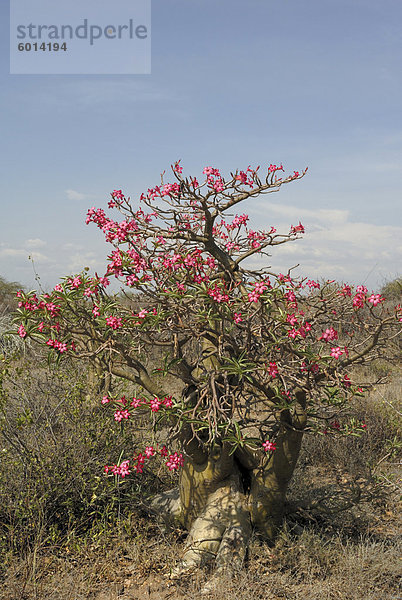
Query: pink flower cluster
[113,230]
[259,288]
[114,322]
[214,179]
[256,237]
[313,368]
[218,294]
[74,282]
[361,296]
[243,177]
[60,346]
[295,229]
[273,369]
[351,428]
[32,304]
[273,168]
[329,334]
[155,404]
[303,328]
[174,462]
[237,222]
[177,168]
[117,194]
[22,332]
[122,470]
[119,415]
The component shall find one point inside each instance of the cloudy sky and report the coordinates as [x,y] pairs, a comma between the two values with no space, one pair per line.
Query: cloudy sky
[315,83]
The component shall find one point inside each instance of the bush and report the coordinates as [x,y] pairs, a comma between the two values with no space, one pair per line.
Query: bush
[392,290]
[55,441]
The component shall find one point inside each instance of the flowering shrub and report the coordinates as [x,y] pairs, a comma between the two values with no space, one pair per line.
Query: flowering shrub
[233,337]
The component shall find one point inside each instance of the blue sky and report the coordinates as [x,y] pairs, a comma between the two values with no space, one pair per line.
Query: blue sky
[315,83]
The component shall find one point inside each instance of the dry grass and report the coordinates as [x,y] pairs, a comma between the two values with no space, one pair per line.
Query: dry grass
[67,533]
[306,566]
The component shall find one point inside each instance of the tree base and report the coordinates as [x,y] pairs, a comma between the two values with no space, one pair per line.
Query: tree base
[220,533]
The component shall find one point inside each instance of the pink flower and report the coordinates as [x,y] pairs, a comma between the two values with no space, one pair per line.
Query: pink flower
[294,229]
[163,451]
[260,287]
[117,194]
[346,382]
[217,295]
[253,296]
[375,299]
[167,401]
[124,468]
[336,352]
[136,402]
[329,334]
[237,318]
[269,446]
[96,311]
[155,404]
[273,369]
[149,451]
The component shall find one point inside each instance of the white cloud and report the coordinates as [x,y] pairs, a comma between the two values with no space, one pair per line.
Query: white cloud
[78,261]
[26,254]
[334,246]
[74,195]
[35,243]
[4,252]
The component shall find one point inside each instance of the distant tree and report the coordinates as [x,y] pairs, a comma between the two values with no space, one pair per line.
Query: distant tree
[8,290]
[8,303]
[393,289]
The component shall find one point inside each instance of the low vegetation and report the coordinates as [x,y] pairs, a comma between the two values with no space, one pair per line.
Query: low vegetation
[69,533]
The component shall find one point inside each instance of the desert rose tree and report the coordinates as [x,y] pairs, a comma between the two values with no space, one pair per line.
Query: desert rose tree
[259,358]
